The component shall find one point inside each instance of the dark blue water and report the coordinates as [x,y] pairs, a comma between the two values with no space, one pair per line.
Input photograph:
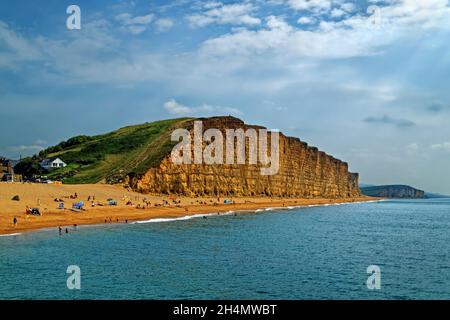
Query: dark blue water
[306,253]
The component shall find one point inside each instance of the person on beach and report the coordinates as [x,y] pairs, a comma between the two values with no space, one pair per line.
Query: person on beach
[60,230]
[67,231]
[15,222]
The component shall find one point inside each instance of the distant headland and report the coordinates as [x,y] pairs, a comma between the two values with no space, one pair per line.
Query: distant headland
[398,191]
[393,192]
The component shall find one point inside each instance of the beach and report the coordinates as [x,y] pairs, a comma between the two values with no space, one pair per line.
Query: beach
[131,206]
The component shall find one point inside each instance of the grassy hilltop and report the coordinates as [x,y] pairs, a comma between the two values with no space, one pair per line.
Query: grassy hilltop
[108,157]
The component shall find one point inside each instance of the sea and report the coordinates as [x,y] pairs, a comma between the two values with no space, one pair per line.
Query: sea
[393,249]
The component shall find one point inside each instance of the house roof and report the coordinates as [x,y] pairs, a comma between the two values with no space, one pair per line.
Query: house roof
[6,162]
[50,160]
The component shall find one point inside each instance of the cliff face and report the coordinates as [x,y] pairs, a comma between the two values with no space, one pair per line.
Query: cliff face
[394,191]
[304,172]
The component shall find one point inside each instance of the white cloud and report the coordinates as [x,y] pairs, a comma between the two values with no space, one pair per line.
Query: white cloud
[127,19]
[412,148]
[175,108]
[310,5]
[348,7]
[212,4]
[35,147]
[136,24]
[15,48]
[337,13]
[236,14]
[445,146]
[164,24]
[306,20]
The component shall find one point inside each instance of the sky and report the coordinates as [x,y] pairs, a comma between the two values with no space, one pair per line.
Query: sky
[365,81]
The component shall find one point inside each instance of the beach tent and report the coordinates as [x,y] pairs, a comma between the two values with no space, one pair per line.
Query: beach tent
[78,205]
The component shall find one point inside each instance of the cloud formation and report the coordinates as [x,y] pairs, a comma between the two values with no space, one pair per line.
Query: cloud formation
[218,13]
[175,108]
[164,24]
[445,146]
[36,146]
[135,24]
[387,120]
[353,36]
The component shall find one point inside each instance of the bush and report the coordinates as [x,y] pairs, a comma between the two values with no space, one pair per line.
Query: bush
[28,167]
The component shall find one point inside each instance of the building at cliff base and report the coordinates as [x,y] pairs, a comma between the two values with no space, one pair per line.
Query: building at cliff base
[7,171]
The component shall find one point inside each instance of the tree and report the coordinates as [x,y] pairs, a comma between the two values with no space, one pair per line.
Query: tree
[28,167]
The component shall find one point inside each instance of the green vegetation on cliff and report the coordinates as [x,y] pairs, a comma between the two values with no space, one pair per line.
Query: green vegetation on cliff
[109,157]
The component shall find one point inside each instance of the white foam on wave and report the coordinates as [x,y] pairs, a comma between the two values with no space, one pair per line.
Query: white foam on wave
[10,235]
[339,204]
[156,220]
[276,208]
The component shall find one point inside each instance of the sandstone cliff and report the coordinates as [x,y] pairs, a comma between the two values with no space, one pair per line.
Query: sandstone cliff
[304,172]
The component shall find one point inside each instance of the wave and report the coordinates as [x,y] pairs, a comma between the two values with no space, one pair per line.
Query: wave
[157,220]
[10,235]
[275,208]
[196,216]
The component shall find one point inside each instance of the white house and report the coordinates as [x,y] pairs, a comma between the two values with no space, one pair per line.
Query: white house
[53,163]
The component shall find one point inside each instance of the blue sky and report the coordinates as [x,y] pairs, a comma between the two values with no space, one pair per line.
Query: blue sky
[366,81]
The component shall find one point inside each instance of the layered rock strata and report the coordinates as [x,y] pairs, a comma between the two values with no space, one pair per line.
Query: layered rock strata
[304,171]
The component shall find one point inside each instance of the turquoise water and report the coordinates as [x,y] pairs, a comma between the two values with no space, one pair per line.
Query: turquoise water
[303,253]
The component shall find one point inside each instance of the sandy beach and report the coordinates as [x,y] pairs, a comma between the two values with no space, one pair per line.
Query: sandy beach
[130,207]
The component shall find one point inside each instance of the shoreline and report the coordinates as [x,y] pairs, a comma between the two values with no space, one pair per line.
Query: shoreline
[161,209]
